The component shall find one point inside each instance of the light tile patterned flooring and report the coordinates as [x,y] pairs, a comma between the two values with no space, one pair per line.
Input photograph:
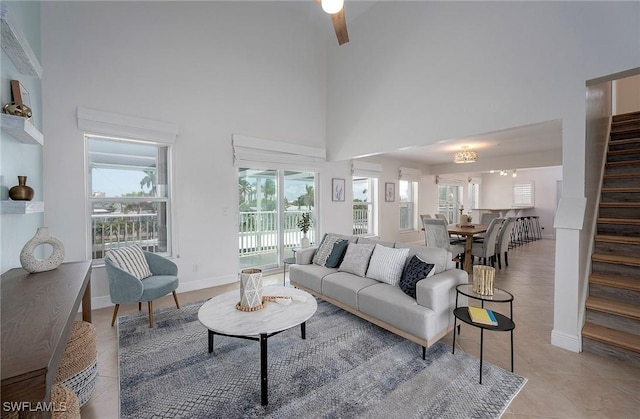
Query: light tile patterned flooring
[562,384]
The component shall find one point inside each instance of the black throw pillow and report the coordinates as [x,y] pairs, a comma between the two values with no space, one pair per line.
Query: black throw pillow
[337,253]
[416,270]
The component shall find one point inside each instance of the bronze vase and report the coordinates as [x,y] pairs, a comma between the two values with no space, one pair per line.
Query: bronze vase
[21,192]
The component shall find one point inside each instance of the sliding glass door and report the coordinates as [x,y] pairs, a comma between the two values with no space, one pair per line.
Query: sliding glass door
[270,204]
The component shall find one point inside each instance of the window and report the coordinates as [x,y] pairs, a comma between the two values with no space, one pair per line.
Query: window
[408,208]
[365,191]
[474,195]
[523,194]
[449,201]
[128,194]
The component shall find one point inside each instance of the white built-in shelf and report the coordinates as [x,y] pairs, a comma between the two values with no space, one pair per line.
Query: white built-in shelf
[15,44]
[22,129]
[21,207]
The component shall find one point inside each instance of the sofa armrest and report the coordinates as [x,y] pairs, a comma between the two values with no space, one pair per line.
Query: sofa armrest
[305,256]
[439,291]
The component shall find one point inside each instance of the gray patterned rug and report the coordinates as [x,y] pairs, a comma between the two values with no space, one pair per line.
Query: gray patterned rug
[346,368]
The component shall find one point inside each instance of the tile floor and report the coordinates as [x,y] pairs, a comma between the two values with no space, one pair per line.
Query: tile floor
[561,384]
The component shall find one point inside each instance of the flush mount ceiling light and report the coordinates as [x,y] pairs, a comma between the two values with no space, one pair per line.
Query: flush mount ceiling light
[465,156]
[332,6]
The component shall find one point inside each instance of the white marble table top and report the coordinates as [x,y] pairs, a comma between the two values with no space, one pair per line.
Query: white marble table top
[220,314]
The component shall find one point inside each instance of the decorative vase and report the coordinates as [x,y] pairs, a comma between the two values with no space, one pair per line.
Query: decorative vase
[304,241]
[21,192]
[464,220]
[250,289]
[32,264]
[483,279]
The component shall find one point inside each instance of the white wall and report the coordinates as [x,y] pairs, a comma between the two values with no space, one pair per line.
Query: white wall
[627,94]
[212,68]
[416,73]
[16,158]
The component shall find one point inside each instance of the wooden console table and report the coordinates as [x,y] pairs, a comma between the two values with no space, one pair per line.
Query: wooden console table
[38,311]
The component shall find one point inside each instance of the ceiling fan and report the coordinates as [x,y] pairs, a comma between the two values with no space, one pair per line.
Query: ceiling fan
[335,9]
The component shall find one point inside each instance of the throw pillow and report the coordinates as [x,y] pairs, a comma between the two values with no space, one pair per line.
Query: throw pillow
[416,270]
[386,264]
[323,252]
[356,259]
[132,260]
[334,259]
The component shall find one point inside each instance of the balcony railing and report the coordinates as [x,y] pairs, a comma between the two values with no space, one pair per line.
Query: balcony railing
[360,220]
[114,230]
[259,231]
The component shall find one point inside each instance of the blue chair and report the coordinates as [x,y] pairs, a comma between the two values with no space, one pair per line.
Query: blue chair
[125,288]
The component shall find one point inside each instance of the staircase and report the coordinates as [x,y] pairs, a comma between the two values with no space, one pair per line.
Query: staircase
[612,325]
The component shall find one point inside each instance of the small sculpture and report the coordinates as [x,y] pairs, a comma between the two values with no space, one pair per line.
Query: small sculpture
[17,109]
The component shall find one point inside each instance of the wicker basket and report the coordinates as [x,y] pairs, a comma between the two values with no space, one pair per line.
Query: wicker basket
[65,403]
[78,368]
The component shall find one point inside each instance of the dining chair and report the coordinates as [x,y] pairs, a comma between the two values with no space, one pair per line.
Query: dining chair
[436,235]
[480,237]
[486,218]
[442,217]
[486,250]
[423,216]
[124,267]
[504,238]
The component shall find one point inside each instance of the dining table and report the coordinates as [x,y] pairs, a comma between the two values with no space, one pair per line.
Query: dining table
[468,231]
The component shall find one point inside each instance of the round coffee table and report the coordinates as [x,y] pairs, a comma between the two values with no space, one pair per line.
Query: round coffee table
[221,317]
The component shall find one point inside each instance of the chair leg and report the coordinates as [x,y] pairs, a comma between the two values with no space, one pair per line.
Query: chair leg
[499,261]
[150,303]
[506,261]
[139,305]
[175,297]
[115,314]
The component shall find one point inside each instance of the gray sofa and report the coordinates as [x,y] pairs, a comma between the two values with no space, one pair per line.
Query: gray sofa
[423,320]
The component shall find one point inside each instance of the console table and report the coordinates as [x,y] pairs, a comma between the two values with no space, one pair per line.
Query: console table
[38,311]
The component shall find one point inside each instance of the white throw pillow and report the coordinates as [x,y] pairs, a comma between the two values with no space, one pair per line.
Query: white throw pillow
[132,260]
[356,259]
[386,264]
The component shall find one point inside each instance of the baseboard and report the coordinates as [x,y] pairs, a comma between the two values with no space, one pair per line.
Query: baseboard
[105,301]
[562,340]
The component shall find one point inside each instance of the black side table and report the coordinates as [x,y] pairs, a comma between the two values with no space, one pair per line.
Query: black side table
[505,324]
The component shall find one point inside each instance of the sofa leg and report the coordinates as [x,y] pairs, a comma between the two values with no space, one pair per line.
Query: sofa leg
[115,314]
[424,352]
[175,297]
[150,304]
[139,305]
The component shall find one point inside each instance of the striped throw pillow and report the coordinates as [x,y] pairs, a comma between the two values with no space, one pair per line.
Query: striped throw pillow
[132,260]
[386,264]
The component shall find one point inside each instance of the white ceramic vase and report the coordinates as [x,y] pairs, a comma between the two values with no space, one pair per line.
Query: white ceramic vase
[32,264]
[304,241]
[250,288]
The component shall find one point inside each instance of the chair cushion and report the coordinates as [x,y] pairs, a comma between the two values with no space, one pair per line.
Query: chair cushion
[132,260]
[386,264]
[157,286]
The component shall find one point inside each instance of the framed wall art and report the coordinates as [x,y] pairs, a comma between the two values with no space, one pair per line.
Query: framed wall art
[389,192]
[337,189]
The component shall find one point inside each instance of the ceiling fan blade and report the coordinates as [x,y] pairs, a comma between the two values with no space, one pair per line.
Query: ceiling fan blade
[340,26]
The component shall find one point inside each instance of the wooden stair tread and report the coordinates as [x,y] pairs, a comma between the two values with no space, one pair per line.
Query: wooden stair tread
[623,163]
[621,175]
[620,204]
[624,340]
[619,308]
[609,238]
[622,128]
[615,259]
[612,190]
[623,152]
[625,116]
[625,141]
[615,281]
[627,221]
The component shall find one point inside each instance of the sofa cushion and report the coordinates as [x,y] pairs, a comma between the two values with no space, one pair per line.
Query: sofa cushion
[386,264]
[368,240]
[416,270]
[325,248]
[337,253]
[344,287]
[396,308]
[309,276]
[130,259]
[356,260]
[436,255]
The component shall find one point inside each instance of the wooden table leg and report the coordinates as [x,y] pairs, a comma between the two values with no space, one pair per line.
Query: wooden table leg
[467,253]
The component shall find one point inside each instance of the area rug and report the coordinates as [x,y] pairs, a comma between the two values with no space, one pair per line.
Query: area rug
[346,368]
